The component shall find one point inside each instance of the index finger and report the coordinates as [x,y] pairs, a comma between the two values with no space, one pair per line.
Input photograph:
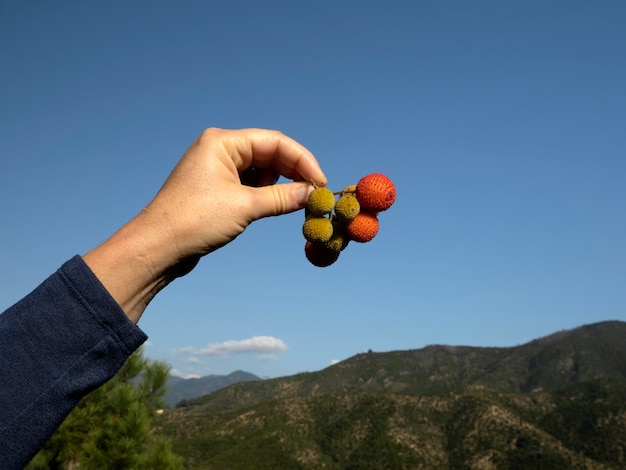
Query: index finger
[261,148]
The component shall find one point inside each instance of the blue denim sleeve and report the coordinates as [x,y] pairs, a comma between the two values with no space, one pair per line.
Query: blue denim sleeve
[57,344]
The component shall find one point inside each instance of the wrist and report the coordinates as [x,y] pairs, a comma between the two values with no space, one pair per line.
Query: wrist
[136,262]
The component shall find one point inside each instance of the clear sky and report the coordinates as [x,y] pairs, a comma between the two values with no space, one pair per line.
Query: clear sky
[502,124]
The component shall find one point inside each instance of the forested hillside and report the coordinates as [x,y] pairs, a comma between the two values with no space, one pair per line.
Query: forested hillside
[556,402]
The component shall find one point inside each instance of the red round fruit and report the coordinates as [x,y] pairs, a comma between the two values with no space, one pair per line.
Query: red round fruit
[375,192]
[319,255]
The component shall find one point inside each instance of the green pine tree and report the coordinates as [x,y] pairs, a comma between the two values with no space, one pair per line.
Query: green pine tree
[114,427]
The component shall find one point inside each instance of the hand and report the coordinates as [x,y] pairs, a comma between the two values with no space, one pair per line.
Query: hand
[224,182]
[204,201]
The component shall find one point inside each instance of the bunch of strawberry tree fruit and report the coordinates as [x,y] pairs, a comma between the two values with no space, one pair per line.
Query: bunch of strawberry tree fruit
[333,219]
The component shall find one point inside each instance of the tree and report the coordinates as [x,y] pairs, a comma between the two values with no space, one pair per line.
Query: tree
[115,426]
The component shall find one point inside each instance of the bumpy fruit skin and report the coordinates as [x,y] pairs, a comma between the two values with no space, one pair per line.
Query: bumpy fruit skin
[347,206]
[319,255]
[339,240]
[321,201]
[363,227]
[375,192]
[317,229]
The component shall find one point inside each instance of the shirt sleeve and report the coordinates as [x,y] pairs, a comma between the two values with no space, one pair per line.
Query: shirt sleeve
[57,344]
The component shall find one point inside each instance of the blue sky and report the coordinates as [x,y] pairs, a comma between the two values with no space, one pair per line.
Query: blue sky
[502,124]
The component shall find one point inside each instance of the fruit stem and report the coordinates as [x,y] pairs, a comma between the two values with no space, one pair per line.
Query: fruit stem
[343,191]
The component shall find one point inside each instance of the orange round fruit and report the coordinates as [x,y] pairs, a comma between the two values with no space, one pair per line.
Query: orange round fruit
[363,227]
[375,192]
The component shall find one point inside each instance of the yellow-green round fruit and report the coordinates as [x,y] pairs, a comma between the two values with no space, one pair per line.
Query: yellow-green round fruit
[317,229]
[321,201]
[347,207]
[339,239]
[349,189]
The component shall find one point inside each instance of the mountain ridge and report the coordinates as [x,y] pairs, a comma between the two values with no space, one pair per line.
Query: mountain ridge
[180,389]
[555,402]
[549,362]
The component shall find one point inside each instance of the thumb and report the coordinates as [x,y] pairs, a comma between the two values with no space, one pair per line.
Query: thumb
[279,199]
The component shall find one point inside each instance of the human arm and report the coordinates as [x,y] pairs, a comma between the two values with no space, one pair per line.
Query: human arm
[74,331]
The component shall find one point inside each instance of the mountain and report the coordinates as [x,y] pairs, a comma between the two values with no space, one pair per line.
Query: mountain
[184,389]
[555,402]
[552,362]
